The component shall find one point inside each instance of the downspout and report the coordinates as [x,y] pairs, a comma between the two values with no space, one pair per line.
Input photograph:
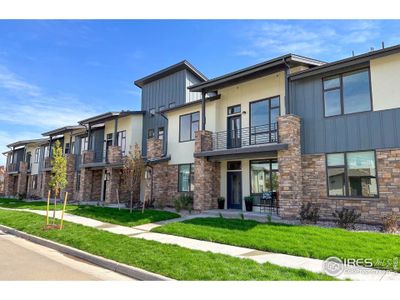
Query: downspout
[287,90]
[203,110]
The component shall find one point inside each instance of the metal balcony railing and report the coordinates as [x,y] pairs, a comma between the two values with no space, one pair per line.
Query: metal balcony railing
[245,137]
[13,167]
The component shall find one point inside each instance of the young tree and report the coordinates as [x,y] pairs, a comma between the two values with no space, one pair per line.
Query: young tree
[58,180]
[131,174]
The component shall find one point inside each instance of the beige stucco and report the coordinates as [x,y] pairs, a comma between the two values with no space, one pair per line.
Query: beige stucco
[133,126]
[385,82]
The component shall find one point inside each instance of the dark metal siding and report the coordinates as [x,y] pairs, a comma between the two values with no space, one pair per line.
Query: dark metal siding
[161,92]
[359,131]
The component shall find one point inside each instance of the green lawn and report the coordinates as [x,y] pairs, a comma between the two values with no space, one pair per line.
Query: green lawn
[123,216]
[308,241]
[169,260]
[37,205]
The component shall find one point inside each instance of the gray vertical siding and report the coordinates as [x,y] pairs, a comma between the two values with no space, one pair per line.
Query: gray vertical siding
[191,79]
[172,88]
[359,131]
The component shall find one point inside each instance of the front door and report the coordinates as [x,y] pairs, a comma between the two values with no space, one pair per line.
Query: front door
[234,192]
[234,132]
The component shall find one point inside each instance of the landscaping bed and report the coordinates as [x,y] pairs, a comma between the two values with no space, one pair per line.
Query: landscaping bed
[299,240]
[168,260]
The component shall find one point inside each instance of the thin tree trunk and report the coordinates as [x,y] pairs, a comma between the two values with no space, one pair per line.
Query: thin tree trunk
[131,206]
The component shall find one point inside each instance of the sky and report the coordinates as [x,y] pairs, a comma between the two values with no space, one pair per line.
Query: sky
[55,73]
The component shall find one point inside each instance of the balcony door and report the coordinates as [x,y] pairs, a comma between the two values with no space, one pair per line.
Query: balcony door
[263,120]
[234,131]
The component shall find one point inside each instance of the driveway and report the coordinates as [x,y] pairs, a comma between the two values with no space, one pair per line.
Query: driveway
[24,260]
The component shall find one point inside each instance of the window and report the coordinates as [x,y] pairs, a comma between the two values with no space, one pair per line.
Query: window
[67,148]
[152,112]
[188,125]
[161,133]
[234,165]
[150,133]
[37,151]
[234,109]
[171,105]
[121,140]
[161,108]
[263,120]
[46,151]
[73,148]
[264,176]
[352,174]
[84,144]
[347,93]
[186,178]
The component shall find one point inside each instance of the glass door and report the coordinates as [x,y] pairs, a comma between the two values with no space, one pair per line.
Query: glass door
[234,132]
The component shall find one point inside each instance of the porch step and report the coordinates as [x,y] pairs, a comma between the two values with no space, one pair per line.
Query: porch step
[238,214]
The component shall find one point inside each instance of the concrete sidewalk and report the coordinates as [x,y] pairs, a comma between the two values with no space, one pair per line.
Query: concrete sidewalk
[296,262]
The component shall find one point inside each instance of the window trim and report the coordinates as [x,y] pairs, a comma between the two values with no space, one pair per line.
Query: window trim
[347,196]
[340,75]
[191,167]
[236,113]
[192,138]
[148,130]
[270,171]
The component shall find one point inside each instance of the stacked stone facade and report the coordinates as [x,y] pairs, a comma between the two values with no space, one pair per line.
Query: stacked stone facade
[290,168]
[372,210]
[22,184]
[206,174]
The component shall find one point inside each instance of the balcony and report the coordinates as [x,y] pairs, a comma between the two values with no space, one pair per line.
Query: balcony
[13,168]
[245,137]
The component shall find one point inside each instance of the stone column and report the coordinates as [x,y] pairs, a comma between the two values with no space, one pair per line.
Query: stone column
[206,174]
[45,184]
[154,148]
[85,190]
[290,170]
[8,185]
[114,154]
[71,159]
[87,156]
[22,178]
[112,185]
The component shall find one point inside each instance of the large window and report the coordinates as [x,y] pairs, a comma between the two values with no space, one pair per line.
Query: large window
[121,139]
[347,93]
[186,178]
[352,174]
[264,176]
[37,151]
[263,118]
[150,133]
[188,125]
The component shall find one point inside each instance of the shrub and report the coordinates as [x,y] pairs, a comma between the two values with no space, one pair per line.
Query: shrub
[21,196]
[391,223]
[184,201]
[309,213]
[346,218]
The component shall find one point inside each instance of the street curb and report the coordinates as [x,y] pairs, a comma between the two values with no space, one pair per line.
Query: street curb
[109,264]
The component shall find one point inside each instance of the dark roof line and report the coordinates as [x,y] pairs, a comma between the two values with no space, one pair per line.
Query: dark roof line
[108,115]
[346,61]
[184,64]
[62,130]
[188,104]
[25,142]
[255,68]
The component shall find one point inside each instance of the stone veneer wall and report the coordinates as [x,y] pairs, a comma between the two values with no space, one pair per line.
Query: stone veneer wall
[290,168]
[71,159]
[22,184]
[206,174]
[372,210]
[31,192]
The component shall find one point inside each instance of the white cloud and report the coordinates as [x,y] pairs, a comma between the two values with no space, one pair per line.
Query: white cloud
[30,105]
[332,39]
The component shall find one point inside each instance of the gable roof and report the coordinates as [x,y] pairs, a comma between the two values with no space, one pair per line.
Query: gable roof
[25,142]
[170,70]
[254,71]
[62,130]
[109,115]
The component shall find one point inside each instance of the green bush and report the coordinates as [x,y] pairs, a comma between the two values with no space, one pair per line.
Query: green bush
[309,213]
[184,201]
[346,218]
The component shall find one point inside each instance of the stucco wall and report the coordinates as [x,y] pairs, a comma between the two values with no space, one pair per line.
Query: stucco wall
[385,82]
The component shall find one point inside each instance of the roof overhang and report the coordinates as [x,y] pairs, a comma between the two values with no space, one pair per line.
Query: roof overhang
[347,62]
[109,116]
[255,71]
[183,65]
[26,142]
[244,152]
[189,104]
[62,130]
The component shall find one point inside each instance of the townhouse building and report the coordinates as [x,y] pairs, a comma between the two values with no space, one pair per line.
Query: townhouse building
[292,130]
[2,174]
[286,131]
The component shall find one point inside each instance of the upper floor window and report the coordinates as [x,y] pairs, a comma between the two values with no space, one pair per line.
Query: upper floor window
[121,139]
[352,174]
[347,93]
[67,148]
[150,133]
[37,151]
[152,112]
[234,109]
[84,144]
[161,133]
[188,125]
